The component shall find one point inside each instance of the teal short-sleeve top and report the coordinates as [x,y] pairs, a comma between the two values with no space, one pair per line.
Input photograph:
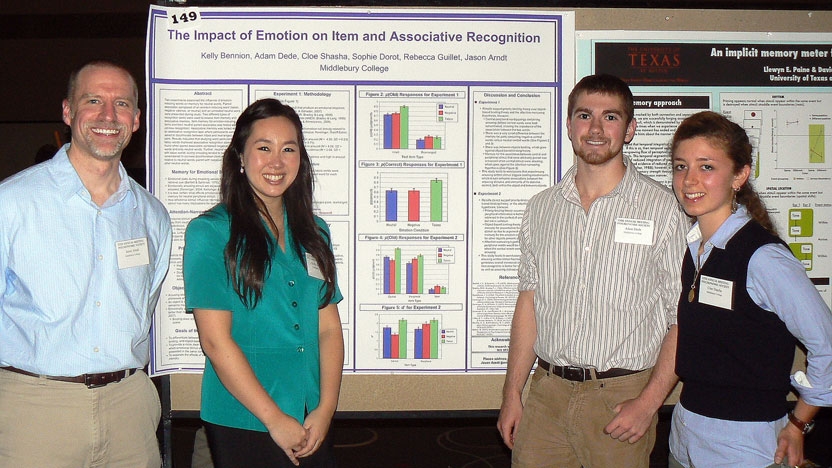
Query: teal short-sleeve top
[279,336]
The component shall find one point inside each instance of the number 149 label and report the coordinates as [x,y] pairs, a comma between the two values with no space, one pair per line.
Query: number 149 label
[183,18]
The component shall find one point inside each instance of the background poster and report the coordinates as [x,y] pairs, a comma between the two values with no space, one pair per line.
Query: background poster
[428,131]
[778,86]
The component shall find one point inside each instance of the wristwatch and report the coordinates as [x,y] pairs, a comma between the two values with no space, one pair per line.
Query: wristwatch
[805,427]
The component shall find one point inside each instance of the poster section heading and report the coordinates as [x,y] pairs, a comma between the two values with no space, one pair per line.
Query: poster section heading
[465,47]
[714,64]
[340,36]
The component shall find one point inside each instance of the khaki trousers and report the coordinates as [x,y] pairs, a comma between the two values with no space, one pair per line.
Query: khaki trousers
[46,423]
[563,424]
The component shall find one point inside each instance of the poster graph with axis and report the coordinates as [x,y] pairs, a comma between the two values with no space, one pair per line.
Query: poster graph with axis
[404,197]
[414,270]
[415,125]
[412,337]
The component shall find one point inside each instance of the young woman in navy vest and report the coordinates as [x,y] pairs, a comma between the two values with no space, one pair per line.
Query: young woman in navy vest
[746,302]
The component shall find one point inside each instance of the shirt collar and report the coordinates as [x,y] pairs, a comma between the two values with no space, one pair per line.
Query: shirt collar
[723,234]
[64,173]
[125,189]
[70,183]
[626,187]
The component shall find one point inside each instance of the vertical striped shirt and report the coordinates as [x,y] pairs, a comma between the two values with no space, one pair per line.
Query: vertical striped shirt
[606,282]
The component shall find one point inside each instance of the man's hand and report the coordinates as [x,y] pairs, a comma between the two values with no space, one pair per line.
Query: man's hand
[632,420]
[634,417]
[509,420]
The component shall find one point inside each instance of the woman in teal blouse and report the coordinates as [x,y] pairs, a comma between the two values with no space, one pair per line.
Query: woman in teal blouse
[260,280]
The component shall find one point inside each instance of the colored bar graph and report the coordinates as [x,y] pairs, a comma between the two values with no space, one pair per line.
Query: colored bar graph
[392,273]
[434,338]
[413,205]
[388,130]
[404,198]
[397,287]
[388,285]
[404,129]
[386,338]
[418,349]
[424,340]
[402,339]
[396,130]
[407,127]
[436,200]
[394,346]
[391,203]
[415,276]
[429,142]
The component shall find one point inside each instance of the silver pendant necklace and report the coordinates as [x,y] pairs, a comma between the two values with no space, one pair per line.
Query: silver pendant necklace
[692,293]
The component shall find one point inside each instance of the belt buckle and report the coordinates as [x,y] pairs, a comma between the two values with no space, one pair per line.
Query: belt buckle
[90,381]
[574,373]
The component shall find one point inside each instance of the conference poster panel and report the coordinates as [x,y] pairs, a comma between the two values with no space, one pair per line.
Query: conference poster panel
[428,131]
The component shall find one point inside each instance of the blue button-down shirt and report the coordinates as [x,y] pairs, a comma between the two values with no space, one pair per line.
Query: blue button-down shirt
[75,297]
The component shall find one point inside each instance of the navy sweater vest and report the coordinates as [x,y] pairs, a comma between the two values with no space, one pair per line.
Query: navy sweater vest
[735,364]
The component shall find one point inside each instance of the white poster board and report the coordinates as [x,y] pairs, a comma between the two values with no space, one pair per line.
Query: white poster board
[428,132]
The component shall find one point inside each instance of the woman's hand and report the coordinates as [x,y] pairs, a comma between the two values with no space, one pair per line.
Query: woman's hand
[331,341]
[789,444]
[317,426]
[290,436]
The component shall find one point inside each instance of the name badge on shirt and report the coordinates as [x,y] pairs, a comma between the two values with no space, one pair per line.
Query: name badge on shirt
[716,292]
[313,268]
[634,231]
[132,253]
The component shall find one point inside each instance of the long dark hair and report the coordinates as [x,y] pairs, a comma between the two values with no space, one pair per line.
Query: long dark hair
[732,139]
[249,249]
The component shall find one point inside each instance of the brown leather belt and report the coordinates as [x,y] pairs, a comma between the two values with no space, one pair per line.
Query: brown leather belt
[90,380]
[581,374]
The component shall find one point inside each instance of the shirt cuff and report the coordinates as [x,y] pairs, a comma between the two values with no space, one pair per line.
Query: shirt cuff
[811,395]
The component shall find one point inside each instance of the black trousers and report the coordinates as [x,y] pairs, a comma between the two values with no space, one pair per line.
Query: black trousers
[235,448]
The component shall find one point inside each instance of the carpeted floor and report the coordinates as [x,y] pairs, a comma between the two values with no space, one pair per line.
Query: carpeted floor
[440,443]
[401,443]
[449,443]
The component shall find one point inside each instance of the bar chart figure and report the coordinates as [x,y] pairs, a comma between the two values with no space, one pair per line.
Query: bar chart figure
[414,273]
[409,200]
[401,341]
[411,126]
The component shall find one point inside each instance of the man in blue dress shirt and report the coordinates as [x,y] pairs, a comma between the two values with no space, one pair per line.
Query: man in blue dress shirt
[83,252]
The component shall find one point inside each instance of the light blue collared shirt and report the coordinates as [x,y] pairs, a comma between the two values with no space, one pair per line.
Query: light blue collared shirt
[777,282]
[75,297]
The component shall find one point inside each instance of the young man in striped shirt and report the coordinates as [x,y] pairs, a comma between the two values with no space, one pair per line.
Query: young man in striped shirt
[599,282]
